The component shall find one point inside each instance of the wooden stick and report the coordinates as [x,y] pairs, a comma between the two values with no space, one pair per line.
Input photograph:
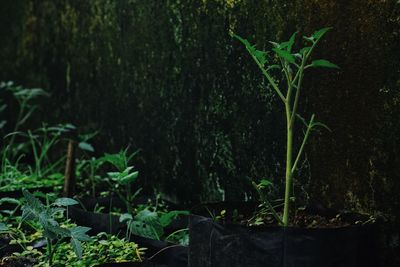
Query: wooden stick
[69,181]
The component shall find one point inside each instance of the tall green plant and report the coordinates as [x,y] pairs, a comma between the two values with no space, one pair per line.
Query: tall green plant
[285,76]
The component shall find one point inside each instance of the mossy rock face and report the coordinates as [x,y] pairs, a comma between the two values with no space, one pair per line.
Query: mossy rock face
[166,77]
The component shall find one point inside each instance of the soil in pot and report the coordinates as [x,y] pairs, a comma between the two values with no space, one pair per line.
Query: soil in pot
[326,241]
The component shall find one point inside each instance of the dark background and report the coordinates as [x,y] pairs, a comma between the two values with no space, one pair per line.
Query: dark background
[165,76]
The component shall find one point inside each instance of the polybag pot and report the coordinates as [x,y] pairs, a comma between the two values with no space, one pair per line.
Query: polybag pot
[216,245]
[132,264]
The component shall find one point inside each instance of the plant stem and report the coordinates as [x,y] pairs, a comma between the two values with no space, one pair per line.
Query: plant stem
[49,252]
[288,177]
[309,127]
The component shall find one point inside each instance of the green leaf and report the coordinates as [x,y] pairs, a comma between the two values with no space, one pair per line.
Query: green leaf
[79,233]
[302,119]
[319,124]
[77,247]
[305,50]
[271,67]
[3,227]
[130,178]
[261,56]
[264,183]
[86,146]
[288,44]
[31,200]
[323,63]
[9,200]
[243,41]
[65,201]
[285,55]
[318,34]
[150,222]
[125,217]
[142,229]
[167,218]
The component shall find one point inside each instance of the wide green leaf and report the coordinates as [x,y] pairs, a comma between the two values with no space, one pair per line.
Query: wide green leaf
[323,63]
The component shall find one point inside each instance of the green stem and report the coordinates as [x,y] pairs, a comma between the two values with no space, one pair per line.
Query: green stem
[269,78]
[309,127]
[288,177]
[17,124]
[49,252]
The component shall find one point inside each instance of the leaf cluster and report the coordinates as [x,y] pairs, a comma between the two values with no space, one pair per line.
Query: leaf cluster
[45,216]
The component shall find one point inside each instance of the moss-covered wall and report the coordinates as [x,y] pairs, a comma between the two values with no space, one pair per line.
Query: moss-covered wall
[166,77]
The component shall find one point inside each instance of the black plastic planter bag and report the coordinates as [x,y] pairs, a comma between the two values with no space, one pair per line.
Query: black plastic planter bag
[216,245]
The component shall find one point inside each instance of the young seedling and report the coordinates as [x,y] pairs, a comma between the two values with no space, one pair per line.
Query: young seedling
[123,177]
[45,217]
[150,224]
[292,66]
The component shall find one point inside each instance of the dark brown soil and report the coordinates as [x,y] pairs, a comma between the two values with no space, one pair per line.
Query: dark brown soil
[14,261]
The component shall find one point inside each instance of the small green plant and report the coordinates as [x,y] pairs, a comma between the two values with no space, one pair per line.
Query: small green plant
[89,168]
[123,177]
[292,66]
[46,217]
[104,248]
[151,224]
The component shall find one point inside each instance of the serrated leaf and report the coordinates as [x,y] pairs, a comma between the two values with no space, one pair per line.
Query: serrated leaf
[285,55]
[323,63]
[261,56]
[86,146]
[31,200]
[65,201]
[79,233]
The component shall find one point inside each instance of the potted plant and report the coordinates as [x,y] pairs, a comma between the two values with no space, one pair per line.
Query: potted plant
[287,237]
